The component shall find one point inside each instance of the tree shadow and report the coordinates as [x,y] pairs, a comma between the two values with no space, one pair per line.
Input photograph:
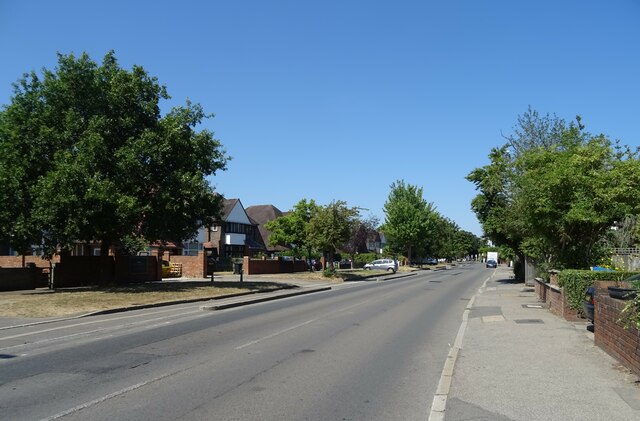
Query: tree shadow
[510,281]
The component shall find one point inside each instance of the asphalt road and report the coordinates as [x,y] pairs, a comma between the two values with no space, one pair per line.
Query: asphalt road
[362,351]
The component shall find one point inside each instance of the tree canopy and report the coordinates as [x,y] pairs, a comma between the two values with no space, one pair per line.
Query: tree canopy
[85,155]
[332,227]
[410,221]
[290,230]
[553,191]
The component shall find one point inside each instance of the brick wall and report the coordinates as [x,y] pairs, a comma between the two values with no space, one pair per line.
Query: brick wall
[610,334]
[555,300]
[192,266]
[16,261]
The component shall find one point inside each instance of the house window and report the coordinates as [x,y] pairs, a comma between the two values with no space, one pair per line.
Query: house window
[234,251]
[191,248]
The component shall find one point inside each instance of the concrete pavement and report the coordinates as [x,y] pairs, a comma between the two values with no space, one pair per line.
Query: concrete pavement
[514,360]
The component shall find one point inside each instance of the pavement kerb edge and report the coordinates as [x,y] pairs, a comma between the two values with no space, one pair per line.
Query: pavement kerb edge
[439,403]
[265,299]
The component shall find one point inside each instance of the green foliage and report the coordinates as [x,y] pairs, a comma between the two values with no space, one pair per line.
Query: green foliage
[85,155]
[630,314]
[331,227]
[553,191]
[575,283]
[290,230]
[329,272]
[410,221]
[132,245]
[361,259]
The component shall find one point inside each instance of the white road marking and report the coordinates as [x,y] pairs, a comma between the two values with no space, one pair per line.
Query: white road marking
[105,398]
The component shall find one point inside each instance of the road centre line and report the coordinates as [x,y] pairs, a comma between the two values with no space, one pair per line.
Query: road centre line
[273,335]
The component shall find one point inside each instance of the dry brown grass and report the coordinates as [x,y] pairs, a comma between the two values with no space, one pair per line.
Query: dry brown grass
[71,302]
[80,301]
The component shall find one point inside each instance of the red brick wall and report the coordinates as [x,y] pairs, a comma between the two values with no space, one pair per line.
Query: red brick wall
[555,300]
[610,334]
[16,261]
[192,266]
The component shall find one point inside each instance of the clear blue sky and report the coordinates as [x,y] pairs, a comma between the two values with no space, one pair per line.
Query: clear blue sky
[336,100]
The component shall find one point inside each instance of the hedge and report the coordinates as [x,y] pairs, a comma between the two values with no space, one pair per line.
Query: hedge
[575,283]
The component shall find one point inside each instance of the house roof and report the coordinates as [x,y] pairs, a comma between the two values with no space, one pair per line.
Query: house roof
[262,214]
[227,207]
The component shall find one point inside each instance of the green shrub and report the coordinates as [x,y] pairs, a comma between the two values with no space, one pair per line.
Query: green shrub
[630,315]
[329,272]
[575,283]
[363,258]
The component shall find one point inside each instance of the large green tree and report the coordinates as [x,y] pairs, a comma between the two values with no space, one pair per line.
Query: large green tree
[85,155]
[453,243]
[290,230]
[571,194]
[553,191]
[410,220]
[331,228]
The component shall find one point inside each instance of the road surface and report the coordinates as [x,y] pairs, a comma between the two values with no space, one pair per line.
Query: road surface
[363,351]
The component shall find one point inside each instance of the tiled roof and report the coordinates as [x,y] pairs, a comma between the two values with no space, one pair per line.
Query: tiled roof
[227,207]
[262,214]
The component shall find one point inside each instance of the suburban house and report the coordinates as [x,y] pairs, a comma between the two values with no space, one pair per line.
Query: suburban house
[262,214]
[238,236]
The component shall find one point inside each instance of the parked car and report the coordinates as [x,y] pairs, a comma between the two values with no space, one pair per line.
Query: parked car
[589,304]
[431,261]
[492,263]
[383,264]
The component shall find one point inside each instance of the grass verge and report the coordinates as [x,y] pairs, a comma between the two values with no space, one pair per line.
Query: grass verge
[71,302]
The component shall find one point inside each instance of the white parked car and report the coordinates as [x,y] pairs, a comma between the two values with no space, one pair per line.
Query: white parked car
[383,264]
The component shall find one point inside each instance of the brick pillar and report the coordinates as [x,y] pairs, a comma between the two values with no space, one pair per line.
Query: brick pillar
[246,265]
[159,254]
[202,258]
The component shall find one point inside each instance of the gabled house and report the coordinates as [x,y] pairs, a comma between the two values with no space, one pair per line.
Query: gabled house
[262,214]
[237,236]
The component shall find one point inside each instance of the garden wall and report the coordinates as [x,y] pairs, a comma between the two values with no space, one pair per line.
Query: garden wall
[192,266]
[16,261]
[263,266]
[555,300]
[610,334]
